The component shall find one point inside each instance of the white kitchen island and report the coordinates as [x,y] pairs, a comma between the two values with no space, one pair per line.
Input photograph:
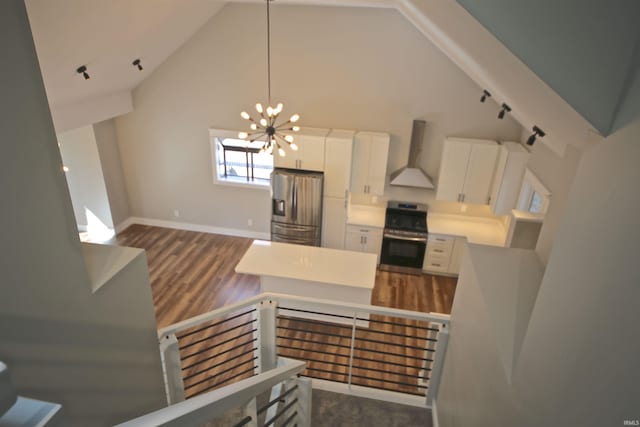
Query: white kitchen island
[309,271]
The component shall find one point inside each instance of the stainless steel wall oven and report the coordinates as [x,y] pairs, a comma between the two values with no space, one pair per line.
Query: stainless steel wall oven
[404,241]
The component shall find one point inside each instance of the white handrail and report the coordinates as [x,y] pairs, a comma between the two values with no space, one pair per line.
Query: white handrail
[202,408]
[359,308]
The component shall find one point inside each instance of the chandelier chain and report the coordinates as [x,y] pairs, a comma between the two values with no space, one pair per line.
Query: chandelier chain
[268,55]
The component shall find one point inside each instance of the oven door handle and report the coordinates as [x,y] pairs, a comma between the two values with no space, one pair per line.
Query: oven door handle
[409,239]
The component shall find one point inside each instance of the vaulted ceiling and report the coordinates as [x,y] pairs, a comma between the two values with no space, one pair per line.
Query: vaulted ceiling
[108,35]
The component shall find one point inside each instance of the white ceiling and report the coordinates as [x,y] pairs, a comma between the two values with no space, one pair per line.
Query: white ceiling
[107,35]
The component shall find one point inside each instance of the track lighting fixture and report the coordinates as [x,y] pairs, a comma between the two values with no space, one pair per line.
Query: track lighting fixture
[485,94]
[137,63]
[536,132]
[83,70]
[505,109]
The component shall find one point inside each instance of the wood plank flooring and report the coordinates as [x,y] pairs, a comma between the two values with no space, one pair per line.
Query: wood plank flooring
[192,273]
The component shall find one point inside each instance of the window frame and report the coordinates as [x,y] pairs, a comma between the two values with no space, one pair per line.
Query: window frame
[217,180]
[531,185]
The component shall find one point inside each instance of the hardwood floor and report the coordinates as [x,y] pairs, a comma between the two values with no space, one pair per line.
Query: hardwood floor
[192,273]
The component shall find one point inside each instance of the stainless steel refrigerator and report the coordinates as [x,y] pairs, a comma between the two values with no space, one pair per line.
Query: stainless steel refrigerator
[296,206]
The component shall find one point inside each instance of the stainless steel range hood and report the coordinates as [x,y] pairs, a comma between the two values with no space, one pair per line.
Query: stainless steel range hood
[412,175]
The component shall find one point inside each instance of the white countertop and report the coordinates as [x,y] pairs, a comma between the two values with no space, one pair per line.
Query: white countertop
[371,216]
[483,231]
[311,263]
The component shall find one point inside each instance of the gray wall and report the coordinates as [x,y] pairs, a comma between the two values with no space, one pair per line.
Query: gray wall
[107,141]
[85,178]
[62,343]
[363,69]
[582,49]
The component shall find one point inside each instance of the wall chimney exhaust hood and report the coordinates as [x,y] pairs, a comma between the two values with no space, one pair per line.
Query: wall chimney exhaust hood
[412,175]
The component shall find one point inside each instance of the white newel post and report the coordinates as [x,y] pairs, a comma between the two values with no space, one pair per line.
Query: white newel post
[438,362]
[304,401]
[266,335]
[250,410]
[172,368]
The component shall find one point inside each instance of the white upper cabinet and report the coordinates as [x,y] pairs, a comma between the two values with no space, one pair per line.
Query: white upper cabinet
[337,163]
[310,153]
[512,162]
[369,171]
[467,170]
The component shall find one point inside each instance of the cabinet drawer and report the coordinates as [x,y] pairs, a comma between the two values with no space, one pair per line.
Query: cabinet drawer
[439,238]
[363,229]
[439,250]
[437,263]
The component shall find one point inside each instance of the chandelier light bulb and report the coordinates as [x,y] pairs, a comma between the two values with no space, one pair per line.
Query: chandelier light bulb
[259,108]
[281,152]
[269,111]
[293,146]
[295,128]
[253,126]
[288,138]
[242,135]
[295,118]
[263,122]
[279,108]
[245,115]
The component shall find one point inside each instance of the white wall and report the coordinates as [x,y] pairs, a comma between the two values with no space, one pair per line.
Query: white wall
[578,361]
[96,354]
[85,178]
[557,174]
[371,71]
[107,142]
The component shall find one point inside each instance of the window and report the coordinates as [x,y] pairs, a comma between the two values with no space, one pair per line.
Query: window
[534,196]
[237,162]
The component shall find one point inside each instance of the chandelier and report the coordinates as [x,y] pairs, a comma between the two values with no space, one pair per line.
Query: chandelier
[266,127]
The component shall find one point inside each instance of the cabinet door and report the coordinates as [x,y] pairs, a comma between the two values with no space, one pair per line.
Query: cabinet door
[337,166]
[373,243]
[360,163]
[354,241]
[289,161]
[482,165]
[334,220]
[456,255]
[377,170]
[310,152]
[453,170]
[512,162]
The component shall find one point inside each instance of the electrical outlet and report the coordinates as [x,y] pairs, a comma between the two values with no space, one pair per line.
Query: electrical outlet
[176,213]
[250,222]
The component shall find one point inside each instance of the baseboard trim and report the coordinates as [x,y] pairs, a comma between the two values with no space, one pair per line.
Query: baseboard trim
[369,393]
[192,227]
[434,413]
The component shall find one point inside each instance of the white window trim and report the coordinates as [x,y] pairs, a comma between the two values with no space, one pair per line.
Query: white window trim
[225,133]
[530,185]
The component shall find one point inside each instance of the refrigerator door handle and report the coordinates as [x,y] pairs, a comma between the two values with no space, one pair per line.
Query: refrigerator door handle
[294,201]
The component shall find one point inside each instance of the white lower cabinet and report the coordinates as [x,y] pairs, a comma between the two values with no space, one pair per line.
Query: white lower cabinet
[443,254]
[363,239]
[334,221]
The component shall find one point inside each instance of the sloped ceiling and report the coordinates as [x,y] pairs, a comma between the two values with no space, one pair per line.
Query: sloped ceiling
[583,50]
[107,36]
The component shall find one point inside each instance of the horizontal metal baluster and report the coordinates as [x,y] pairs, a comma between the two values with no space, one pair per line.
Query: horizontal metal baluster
[277,399]
[223,381]
[215,324]
[218,345]
[220,373]
[279,413]
[218,364]
[216,334]
[220,354]
[386,322]
[243,422]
